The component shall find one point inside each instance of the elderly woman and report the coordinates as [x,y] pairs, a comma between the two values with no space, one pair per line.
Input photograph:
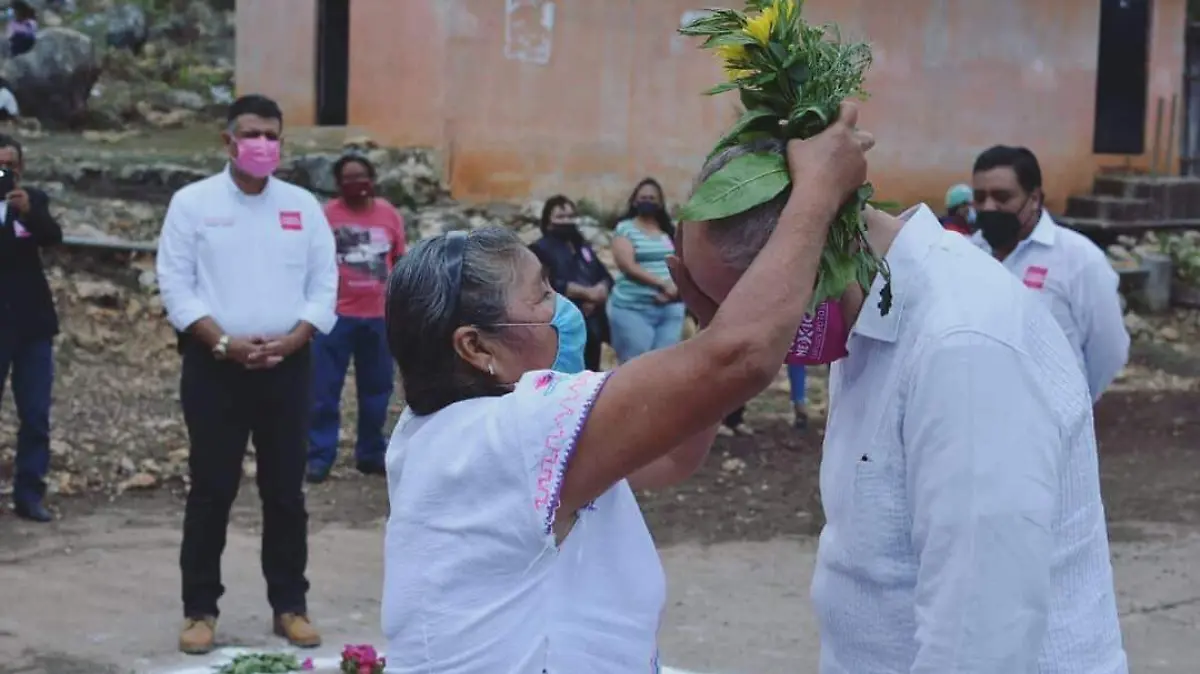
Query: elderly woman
[515,544]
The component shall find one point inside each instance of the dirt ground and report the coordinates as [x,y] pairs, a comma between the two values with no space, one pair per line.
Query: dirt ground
[97,590]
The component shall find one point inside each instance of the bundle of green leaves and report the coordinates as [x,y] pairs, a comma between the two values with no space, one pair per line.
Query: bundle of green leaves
[264,663]
[792,78]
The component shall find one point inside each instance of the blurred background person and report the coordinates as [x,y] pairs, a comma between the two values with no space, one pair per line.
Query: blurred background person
[22,28]
[574,271]
[28,324]
[1072,274]
[369,235]
[644,311]
[797,378]
[960,210]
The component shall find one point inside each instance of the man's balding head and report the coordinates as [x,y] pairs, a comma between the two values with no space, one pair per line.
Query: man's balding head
[717,252]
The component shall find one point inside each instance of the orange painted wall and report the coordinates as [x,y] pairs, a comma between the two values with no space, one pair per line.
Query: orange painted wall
[276,55]
[618,97]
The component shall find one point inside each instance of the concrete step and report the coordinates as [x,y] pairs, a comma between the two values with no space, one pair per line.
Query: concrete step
[1112,208]
[1174,197]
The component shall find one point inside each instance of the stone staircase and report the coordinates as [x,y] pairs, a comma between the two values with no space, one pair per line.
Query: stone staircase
[1132,204]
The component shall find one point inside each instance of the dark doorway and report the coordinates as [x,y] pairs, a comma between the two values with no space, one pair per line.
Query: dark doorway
[1121,77]
[333,61]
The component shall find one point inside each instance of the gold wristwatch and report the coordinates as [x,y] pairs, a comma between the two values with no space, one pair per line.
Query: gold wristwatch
[221,349]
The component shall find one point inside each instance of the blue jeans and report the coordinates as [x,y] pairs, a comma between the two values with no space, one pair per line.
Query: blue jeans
[31,362]
[796,376]
[646,328]
[364,340]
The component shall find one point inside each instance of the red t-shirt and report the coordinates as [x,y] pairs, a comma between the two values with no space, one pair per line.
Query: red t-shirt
[368,243]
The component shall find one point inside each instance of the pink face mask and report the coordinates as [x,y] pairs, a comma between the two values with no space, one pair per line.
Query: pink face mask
[821,338]
[258,157]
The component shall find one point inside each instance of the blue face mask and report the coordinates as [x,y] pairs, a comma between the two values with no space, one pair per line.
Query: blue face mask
[572,336]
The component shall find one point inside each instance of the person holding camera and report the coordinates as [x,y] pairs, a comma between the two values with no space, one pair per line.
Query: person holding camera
[28,324]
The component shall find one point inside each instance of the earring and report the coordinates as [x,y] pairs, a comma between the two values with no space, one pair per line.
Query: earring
[491,370]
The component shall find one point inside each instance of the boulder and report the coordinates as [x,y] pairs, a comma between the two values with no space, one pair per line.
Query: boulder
[127,27]
[54,80]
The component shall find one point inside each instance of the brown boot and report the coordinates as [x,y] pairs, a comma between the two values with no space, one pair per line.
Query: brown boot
[297,629]
[198,635]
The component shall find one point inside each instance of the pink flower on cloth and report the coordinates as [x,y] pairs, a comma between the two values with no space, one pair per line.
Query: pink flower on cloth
[362,659]
[307,665]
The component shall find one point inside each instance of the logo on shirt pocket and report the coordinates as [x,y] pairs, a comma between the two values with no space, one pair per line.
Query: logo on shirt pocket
[1035,277]
[290,220]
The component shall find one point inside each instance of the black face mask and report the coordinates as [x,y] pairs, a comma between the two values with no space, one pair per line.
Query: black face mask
[1000,229]
[567,231]
[647,209]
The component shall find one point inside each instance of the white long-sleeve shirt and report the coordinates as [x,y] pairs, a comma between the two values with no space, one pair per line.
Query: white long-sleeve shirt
[965,531]
[256,264]
[1079,285]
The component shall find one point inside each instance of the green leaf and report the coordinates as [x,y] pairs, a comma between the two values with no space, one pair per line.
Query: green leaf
[721,88]
[745,182]
[750,121]
[729,39]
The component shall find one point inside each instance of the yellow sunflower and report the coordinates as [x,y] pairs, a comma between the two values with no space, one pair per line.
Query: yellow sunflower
[759,27]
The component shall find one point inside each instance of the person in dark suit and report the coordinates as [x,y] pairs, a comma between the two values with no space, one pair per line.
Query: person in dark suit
[28,324]
[575,271]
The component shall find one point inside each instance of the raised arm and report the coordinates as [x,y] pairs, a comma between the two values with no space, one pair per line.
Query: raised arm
[983,457]
[654,403]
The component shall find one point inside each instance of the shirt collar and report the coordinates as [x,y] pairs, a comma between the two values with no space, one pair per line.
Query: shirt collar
[921,231]
[237,191]
[1044,230]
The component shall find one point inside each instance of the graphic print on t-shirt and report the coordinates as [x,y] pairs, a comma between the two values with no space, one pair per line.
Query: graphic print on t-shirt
[362,253]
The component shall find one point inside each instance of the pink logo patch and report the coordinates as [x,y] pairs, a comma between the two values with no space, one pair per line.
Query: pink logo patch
[1035,277]
[290,220]
[543,381]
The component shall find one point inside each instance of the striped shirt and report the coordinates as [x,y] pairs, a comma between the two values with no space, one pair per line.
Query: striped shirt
[650,253]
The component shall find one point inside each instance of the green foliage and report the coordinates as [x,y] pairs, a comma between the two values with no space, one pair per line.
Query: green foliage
[791,77]
[261,663]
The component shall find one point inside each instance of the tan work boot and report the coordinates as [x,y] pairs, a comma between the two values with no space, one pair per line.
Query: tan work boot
[297,629]
[198,636]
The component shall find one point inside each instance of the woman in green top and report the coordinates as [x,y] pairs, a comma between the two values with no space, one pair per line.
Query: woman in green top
[644,311]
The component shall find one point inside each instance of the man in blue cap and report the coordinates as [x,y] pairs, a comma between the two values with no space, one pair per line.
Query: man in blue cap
[960,210]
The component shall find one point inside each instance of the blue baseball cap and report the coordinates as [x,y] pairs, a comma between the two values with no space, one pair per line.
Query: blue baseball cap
[958,195]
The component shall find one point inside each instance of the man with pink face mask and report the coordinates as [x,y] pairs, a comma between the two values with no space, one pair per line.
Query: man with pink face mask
[248,275]
[965,531]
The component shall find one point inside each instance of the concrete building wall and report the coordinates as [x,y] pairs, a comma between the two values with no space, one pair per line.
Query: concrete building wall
[589,96]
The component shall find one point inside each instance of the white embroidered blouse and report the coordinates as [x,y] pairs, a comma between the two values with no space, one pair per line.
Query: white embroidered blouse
[473,580]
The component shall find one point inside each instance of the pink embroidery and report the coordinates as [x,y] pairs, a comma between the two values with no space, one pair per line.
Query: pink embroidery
[572,405]
[1035,277]
[543,381]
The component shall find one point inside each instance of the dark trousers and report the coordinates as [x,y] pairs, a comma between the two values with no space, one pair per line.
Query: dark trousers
[591,352]
[224,406]
[365,341]
[31,362]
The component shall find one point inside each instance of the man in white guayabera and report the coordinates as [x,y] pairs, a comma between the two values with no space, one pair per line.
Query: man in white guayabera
[965,532]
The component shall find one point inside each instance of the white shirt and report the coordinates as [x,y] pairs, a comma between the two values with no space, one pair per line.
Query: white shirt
[1079,285]
[965,532]
[255,263]
[473,580]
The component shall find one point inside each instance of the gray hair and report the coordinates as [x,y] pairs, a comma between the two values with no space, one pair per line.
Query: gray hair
[740,237]
[423,311]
